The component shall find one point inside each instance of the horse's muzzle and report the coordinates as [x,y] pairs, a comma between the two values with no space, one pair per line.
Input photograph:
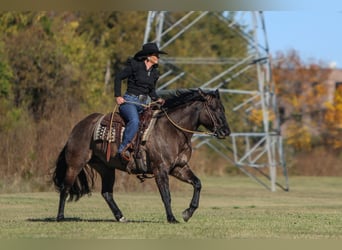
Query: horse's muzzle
[222,133]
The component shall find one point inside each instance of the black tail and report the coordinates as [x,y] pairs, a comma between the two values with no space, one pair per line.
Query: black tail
[60,171]
[80,186]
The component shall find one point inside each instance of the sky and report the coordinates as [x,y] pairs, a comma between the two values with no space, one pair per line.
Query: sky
[315,34]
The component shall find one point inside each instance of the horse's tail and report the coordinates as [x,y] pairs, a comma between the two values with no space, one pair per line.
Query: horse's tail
[82,184]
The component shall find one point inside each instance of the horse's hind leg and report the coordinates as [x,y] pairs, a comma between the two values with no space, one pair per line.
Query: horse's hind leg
[62,198]
[185,174]
[64,192]
[67,171]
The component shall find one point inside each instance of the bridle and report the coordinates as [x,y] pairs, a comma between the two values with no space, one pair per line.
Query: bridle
[213,120]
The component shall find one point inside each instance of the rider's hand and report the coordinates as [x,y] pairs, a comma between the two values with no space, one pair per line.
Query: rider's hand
[161,101]
[120,100]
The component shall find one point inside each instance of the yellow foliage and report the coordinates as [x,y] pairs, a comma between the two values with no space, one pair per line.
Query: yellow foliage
[333,115]
[321,90]
[256,117]
[74,24]
[298,136]
[333,120]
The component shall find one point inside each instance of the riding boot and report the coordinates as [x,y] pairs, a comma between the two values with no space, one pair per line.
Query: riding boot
[126,160]
[121,159]
[125,155]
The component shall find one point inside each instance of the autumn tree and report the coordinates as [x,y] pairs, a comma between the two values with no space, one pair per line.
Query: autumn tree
[301,92]
[333,120]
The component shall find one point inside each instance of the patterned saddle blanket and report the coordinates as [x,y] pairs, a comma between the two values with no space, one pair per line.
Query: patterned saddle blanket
[102,128]
[103,131]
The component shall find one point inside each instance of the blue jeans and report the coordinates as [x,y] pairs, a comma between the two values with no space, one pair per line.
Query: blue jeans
[130,113]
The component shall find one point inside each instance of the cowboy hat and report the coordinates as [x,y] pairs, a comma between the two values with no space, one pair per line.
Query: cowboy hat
[149,49]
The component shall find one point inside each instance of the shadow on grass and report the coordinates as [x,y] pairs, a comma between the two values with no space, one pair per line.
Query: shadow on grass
[77,219]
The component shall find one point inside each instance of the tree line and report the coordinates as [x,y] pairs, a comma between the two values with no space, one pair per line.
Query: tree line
[56,67]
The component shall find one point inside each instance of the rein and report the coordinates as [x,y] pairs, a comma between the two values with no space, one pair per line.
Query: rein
[141,104]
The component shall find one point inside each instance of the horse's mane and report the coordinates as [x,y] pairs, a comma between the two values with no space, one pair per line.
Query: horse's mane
[178,97]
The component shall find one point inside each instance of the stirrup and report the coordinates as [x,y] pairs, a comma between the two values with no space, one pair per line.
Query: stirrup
[130,167]
[140,164]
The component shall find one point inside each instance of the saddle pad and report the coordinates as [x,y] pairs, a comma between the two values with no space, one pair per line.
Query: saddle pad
[101,131]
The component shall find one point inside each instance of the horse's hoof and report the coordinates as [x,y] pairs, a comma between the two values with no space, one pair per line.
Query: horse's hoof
[123,220]
[173,221]
[186,215]
[60,218]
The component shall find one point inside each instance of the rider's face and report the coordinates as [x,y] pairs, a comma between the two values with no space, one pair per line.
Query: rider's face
[154,58]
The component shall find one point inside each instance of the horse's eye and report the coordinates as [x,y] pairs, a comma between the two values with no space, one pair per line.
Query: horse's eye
[213,106]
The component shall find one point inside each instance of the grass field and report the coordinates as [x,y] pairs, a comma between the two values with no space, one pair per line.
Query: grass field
[230,208]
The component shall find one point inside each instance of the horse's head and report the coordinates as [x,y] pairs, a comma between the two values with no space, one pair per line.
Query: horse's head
[213,114]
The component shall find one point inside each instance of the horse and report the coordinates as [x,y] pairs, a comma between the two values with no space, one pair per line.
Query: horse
[168,151]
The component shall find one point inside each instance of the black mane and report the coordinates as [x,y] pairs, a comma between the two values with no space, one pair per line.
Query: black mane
[178,97]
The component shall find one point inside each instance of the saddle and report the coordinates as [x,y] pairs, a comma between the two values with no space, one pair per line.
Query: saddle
[110,127]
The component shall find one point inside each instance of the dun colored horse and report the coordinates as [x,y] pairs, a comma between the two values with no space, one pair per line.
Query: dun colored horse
[168,151]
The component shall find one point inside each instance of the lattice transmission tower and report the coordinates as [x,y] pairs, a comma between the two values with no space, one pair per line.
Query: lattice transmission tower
[258,150]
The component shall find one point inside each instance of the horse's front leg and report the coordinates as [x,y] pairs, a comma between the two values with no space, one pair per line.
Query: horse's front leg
[185,174]
[112,205]
[162,180]
[108,179]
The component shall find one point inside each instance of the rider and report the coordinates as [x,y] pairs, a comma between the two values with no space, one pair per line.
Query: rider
[142,74]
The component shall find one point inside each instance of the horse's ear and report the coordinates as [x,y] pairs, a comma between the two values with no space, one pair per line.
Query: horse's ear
[201,92]
[217,94]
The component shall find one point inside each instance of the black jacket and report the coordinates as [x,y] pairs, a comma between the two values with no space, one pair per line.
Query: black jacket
[139,80]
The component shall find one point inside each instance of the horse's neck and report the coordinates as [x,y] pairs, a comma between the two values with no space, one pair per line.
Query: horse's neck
[187,117]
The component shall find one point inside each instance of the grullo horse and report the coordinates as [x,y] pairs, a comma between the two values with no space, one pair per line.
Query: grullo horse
[168,151]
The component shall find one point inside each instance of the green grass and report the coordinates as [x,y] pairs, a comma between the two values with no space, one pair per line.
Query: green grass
[230,208]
